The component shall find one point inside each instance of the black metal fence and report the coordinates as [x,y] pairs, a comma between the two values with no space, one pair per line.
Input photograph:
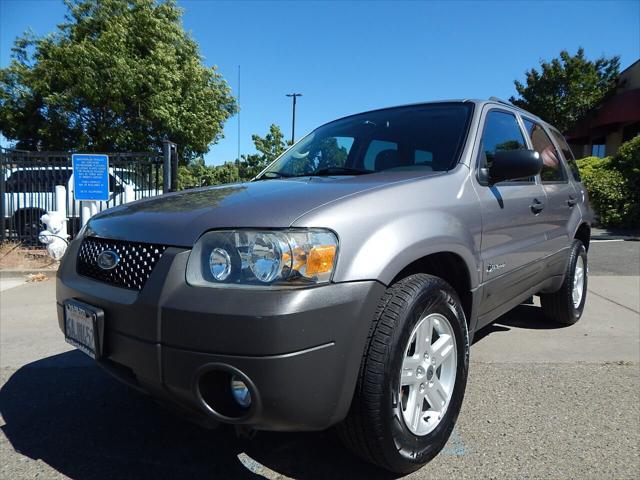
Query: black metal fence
[29,179]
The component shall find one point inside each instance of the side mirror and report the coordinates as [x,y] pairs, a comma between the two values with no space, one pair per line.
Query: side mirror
[514,164]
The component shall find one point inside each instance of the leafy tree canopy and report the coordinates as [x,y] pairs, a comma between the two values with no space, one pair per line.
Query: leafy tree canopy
[118,75]
[269,147]
[566,88]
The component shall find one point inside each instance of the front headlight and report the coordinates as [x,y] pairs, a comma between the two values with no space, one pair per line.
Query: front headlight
[250,257]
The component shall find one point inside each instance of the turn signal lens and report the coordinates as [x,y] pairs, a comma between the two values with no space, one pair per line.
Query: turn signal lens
[320,259]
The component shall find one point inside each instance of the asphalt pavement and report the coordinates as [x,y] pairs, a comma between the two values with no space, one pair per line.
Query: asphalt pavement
[543,401]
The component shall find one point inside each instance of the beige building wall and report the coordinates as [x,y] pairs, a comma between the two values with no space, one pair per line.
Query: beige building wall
[614,140]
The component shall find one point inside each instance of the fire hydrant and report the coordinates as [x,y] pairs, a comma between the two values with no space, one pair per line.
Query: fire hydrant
[55,236]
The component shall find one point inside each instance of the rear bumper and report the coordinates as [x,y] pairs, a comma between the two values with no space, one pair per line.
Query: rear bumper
[298,350]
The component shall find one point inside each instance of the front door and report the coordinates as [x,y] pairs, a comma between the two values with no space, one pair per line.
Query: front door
[513,218]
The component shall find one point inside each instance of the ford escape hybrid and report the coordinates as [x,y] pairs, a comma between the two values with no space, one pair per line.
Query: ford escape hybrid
[353,271]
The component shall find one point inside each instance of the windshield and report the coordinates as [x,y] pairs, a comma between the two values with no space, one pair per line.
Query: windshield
[421,138]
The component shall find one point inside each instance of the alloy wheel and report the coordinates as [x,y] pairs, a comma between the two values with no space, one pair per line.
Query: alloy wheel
[428,374]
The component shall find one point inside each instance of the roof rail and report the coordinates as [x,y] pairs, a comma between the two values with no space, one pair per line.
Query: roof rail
[499,100]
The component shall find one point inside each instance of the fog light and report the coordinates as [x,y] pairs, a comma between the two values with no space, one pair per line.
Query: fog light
[240,392]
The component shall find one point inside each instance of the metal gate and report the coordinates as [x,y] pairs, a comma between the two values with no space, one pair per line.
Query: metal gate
[28,181]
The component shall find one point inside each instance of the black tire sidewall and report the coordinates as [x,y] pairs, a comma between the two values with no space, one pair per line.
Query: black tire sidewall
[436,297]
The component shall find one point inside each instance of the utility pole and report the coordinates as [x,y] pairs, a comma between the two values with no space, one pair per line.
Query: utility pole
[293,123]
[238,159]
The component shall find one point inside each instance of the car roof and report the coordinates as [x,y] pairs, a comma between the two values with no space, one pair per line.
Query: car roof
[62,167]
[478,102]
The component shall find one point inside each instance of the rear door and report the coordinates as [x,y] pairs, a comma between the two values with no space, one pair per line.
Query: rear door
[513,217]
[562,198]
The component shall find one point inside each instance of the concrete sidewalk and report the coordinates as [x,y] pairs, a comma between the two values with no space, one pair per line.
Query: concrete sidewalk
[609,330]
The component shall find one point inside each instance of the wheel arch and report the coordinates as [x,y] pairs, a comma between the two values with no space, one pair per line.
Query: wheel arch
[449,266]
[21,212]
[583,233]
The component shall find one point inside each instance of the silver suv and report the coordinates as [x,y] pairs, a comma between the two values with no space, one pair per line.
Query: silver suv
[343,285]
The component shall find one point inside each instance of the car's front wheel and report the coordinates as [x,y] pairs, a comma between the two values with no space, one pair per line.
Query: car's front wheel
[412,378]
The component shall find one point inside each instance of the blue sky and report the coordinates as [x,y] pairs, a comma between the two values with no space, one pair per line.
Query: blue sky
[347,57]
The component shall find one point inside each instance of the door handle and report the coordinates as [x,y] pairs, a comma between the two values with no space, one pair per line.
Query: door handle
[537,206]
[571,201]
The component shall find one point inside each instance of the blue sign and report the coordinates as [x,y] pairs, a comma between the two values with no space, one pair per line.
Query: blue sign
[90,177]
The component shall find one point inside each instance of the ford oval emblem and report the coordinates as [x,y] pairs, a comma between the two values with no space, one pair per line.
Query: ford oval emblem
[108,260]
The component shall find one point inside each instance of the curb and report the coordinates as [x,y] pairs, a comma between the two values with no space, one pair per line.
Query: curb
[6,274]
[615,234]
[626,238]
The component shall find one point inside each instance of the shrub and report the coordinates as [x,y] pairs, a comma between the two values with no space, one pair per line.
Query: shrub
[607,190]
[627,162]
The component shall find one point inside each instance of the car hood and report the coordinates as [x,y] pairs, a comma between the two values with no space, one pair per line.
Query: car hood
[180,218]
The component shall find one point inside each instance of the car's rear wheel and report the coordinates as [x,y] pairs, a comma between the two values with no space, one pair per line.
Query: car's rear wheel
[413,376]
[28,225]
[567,304]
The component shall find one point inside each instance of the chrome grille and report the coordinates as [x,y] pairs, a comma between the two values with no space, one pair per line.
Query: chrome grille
[137,261]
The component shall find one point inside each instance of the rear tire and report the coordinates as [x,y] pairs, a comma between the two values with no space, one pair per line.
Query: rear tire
[567,304]
[28,225]
[379,427]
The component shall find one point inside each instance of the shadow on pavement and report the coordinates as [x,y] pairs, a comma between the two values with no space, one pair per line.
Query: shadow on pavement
[528,317]
[65,411]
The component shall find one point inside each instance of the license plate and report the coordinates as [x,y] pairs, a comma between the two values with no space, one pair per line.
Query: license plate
[82,328]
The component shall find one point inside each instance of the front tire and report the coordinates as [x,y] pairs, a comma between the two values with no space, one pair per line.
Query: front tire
[412,377]
[567,304]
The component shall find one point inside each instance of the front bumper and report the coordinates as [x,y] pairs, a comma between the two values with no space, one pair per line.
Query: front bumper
[298,349]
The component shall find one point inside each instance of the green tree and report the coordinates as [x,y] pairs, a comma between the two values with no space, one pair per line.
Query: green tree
[118,75]
[196,174]
[269,147]
[226,173]
[566,88]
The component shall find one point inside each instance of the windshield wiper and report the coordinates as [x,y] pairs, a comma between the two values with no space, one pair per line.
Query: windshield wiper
[271,175]
[340,171]
[318,173]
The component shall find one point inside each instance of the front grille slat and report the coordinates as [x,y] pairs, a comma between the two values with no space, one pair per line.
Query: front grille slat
[137,261]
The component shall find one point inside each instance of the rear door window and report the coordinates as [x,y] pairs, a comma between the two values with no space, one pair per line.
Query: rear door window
[552,170]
